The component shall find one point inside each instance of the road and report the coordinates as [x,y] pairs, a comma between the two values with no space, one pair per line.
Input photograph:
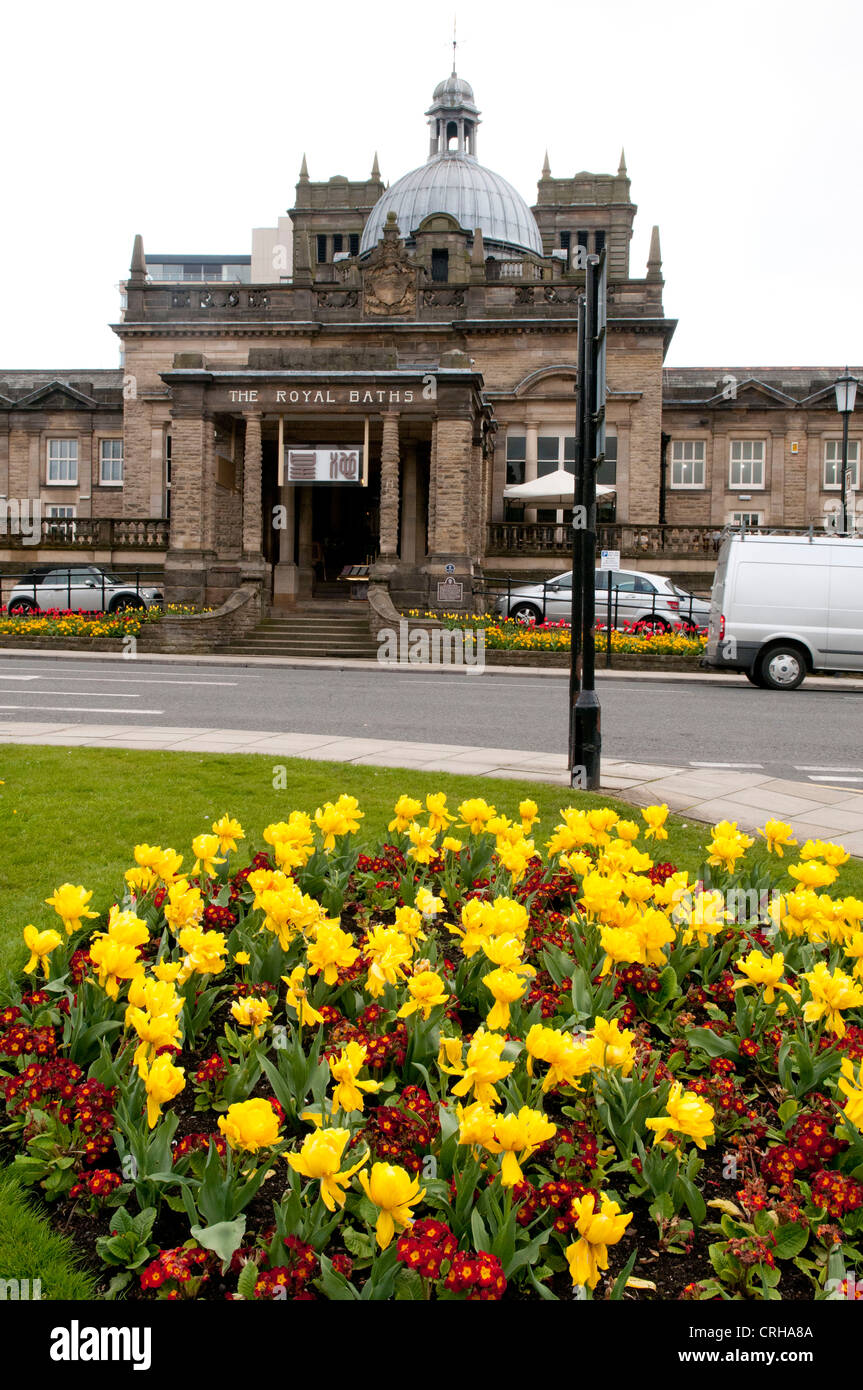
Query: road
[805,735]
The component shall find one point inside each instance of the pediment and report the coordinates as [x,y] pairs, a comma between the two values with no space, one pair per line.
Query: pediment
[556,380]
[749,392]
[56,395]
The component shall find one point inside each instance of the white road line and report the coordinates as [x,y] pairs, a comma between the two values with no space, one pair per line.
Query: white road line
[734,767]
[21,678]
[122,680]
[90,694]
[821,767]
[78,709]
[832,777]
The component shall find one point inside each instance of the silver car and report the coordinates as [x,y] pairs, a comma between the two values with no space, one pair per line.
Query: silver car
[80,587]
[635,598]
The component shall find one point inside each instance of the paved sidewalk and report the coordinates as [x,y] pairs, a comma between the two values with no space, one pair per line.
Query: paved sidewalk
[703,794]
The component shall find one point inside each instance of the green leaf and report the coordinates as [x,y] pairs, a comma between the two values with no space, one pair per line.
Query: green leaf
[790,1239]
[787,1110]
[223,1238]
[247,1280]
[707,1041]
[358,1243]
[481,1238]
[409,1286]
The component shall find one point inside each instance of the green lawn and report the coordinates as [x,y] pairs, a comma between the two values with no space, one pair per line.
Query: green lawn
[74,815]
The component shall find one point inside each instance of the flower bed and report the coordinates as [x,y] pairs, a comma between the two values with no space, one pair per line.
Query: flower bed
[68,623]
[457,1067]
[505,634]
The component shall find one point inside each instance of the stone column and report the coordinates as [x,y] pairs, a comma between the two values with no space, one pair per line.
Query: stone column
[409,507]
[252,519]
[389,525]
[286,574]
[306,574]
[530,464]
[432,496]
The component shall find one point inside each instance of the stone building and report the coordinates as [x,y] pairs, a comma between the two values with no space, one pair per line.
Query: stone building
[399,354]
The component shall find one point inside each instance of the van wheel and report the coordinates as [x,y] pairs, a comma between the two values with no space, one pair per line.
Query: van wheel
[782,668]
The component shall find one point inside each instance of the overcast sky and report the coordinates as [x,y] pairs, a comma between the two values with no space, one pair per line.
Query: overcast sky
[187,122]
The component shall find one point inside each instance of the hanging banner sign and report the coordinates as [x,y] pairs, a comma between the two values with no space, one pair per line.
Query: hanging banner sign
[324,465]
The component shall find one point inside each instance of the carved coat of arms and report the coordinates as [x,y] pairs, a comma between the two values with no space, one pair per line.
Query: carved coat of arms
[389,276]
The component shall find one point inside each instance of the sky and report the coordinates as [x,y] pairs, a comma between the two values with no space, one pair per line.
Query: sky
[187,122]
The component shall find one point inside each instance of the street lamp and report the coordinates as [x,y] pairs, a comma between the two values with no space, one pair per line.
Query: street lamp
[846,395]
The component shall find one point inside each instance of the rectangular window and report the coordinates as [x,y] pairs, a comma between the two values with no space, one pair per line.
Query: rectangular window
[748,519]
[63,462]
[607,471]
[354,243]
[322,250]
[516,452]
[337,242]
[687,463]
[581,238]
[598,241]
[747,463]
[111,463]
[833,463]
[62,522]
[569,453]
[440,265]
[547,454]
[565,239]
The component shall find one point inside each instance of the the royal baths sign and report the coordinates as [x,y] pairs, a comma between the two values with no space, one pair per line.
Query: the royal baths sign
[310,397]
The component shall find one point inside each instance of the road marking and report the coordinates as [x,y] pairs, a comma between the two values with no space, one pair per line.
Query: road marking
[833,777]
[20,678]
[118,680]
[78,709]
[757,767]
[91,694]
[821,767]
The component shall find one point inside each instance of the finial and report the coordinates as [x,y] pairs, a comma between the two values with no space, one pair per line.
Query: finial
[477,255]
[621,172]
[138,268]
[546,167]
[654,259]
[376,171]
[454,42]
[304,171]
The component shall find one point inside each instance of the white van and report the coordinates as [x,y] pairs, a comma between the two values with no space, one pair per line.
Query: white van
[783,605]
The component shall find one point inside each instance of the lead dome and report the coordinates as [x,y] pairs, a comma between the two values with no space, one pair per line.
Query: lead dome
[453,181]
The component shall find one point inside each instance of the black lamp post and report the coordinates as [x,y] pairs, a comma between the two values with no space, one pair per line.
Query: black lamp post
[846,395]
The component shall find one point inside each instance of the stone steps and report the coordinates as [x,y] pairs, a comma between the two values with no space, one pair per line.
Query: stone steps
[316,631]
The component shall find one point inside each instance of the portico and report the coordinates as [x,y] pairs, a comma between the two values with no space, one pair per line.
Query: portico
[412,507]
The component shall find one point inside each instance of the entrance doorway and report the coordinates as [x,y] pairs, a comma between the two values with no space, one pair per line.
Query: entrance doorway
[345,527]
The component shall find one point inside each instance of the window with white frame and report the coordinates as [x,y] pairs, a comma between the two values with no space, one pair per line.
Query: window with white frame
[63,462]
[687,463]
[62,520]
[833,462]
[111,462]
[748,519]
[747,463]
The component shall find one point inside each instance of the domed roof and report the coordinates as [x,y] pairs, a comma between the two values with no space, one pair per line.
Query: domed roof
[453,91]
[455,183]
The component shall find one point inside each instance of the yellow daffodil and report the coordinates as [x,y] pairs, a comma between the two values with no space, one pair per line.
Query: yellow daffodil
[439,816]
[835,855]
[344,1069]
[388,953]
[154,1031]
[519,1134]
[597,1230]
[70,905]
[297,998]
[114,961]
[250,1125]
[568,1060]
[449,842]
[293,843]
[229,832]
[251,1013]
[407,808]
[506,988]
[529,812]
[778,834]
[162,1081]
[40,944]
[687,1114]
[242,958]
[763,970]
[205,952]
[851,1085]
[332,950]
[409,922]
[422,838]
[831,994]
[654,818]
[140,881]
[426,990]
[321,1158]
[206,851]
[609,1046]
[813,874]
[394,1192]
[475,814]
[482,1068]
[183,906]
[476,1125]
[620,947]
[426,903]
